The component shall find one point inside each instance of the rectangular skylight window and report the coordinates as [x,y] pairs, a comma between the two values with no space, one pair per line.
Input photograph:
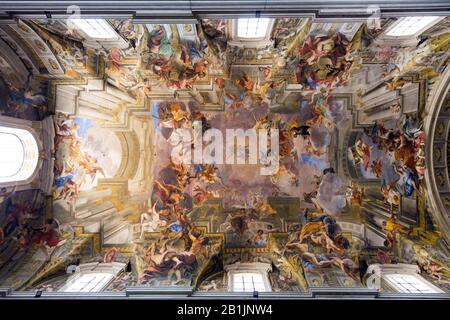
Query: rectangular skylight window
[95,28]
[252,28]
[409,26]
[248,282]
[407,283]
[90,282]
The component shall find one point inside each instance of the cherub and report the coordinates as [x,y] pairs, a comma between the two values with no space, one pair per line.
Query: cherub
[183,175]
[178,114]
[433,270]
[356,194]
[391,195]
[396,108]
[89,163]
[257,239]
[362,153]
[115,58]
[262,123]
[220,83]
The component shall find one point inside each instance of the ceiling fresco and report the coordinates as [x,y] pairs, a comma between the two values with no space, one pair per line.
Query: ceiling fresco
[341,106]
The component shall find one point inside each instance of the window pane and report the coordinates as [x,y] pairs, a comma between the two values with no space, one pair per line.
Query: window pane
[12,155]
[248,282]
[411,25]
[252,28]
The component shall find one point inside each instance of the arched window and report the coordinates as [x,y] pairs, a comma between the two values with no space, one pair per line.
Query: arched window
[19,154]
[253,28]
[248,282]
